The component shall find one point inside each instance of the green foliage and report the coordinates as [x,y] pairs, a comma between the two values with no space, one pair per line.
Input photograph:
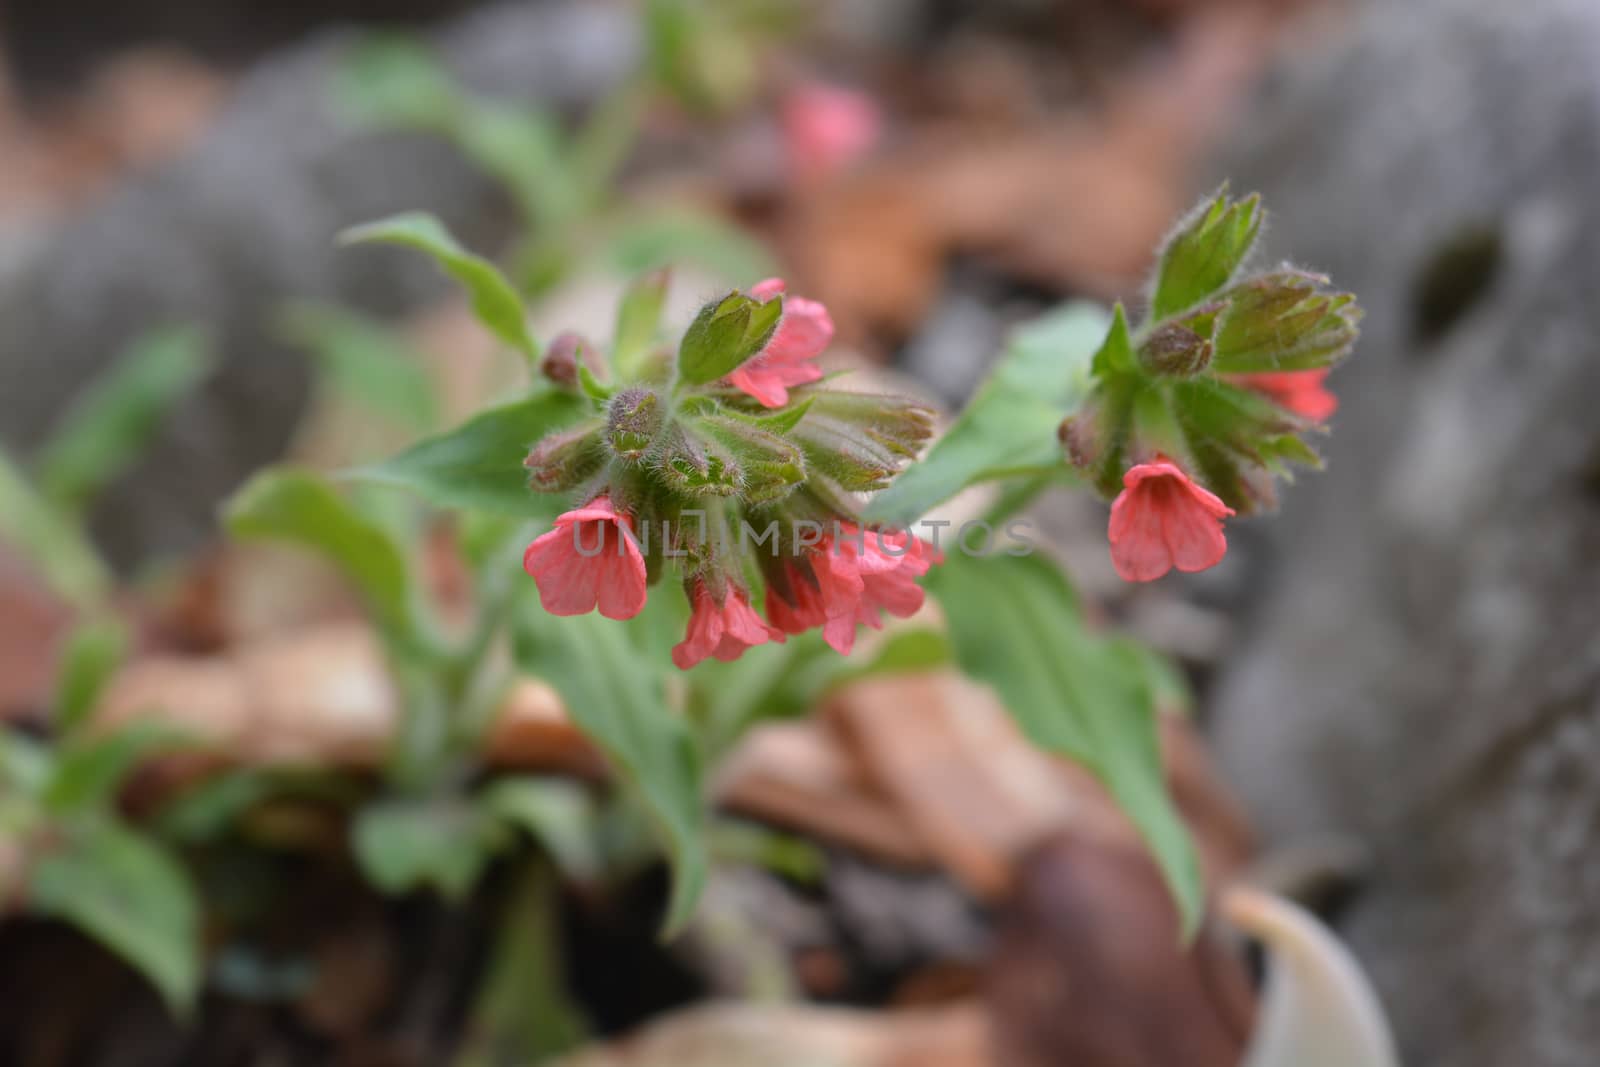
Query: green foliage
[369,364]
[301,507]
[92,654]
[522,1012]
[557,814]
[111,422]
[129,894]
[1009,428]
[494,299]
[601,670]
[87,773]
[638,320]
[1204,252]
[392,81]
[53,542]
[478,465]
[443,843]
[1014,623]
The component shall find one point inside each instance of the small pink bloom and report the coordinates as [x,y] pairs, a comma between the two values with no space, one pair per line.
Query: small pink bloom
[723,630]
[825,584]
[1161,520]
[889,564]
[589,559]
[826,128]
[804,331]
[1301,391]
[850,582]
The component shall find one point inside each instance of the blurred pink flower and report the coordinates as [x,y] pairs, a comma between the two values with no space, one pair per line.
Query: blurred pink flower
[826,128]
[804,331]
[589,559]
[722,631]
[1301,391]
[1161,520]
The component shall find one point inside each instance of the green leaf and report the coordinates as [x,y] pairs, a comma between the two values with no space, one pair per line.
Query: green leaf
[494,300]
[92,655]
[109,424]
[88,772]
[366,362]
[1204,252]
[558,814]
[594,663]
[523,1011]
[478,465]
[390,80]
[128,893]
[404,845]
[299,506]
[638,323]
[1010,426]
[1014,624]
[50,540]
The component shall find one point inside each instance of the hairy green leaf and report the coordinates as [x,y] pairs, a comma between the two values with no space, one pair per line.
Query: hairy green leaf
[594,663]
[478,465]
[494,300]
[299,506]
[1014,624]
[1010,426]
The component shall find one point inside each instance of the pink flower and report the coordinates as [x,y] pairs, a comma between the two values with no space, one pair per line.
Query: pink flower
[819,586]
[850,582]
[1301,391]
[589,559]
[802,334]
[723,630]
[826,128]
[1161,520]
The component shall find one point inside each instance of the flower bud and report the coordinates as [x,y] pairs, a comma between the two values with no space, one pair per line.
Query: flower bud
[633,418]
[1175,350]
[566,458]
[560,362]
[724,334]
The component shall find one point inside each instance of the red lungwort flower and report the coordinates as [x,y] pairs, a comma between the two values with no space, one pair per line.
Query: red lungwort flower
[1301,391]
[826,128]
[802,334]
[589,559]
[723,630]
[851,581]
[1161,520]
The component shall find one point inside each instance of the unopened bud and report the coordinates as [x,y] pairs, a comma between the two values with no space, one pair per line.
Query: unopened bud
[632,420]
[566,459]
[560,362]
[1175,350]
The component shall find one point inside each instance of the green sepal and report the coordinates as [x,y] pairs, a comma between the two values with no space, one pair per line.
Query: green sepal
[1205,251]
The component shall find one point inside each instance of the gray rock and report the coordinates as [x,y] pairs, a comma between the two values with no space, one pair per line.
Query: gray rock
[1423,668]
[245,221]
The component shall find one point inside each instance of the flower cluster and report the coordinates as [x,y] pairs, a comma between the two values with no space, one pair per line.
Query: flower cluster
[1190,419]
[733,430]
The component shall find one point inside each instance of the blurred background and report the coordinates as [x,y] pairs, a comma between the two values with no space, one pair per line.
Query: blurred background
[1398,678]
